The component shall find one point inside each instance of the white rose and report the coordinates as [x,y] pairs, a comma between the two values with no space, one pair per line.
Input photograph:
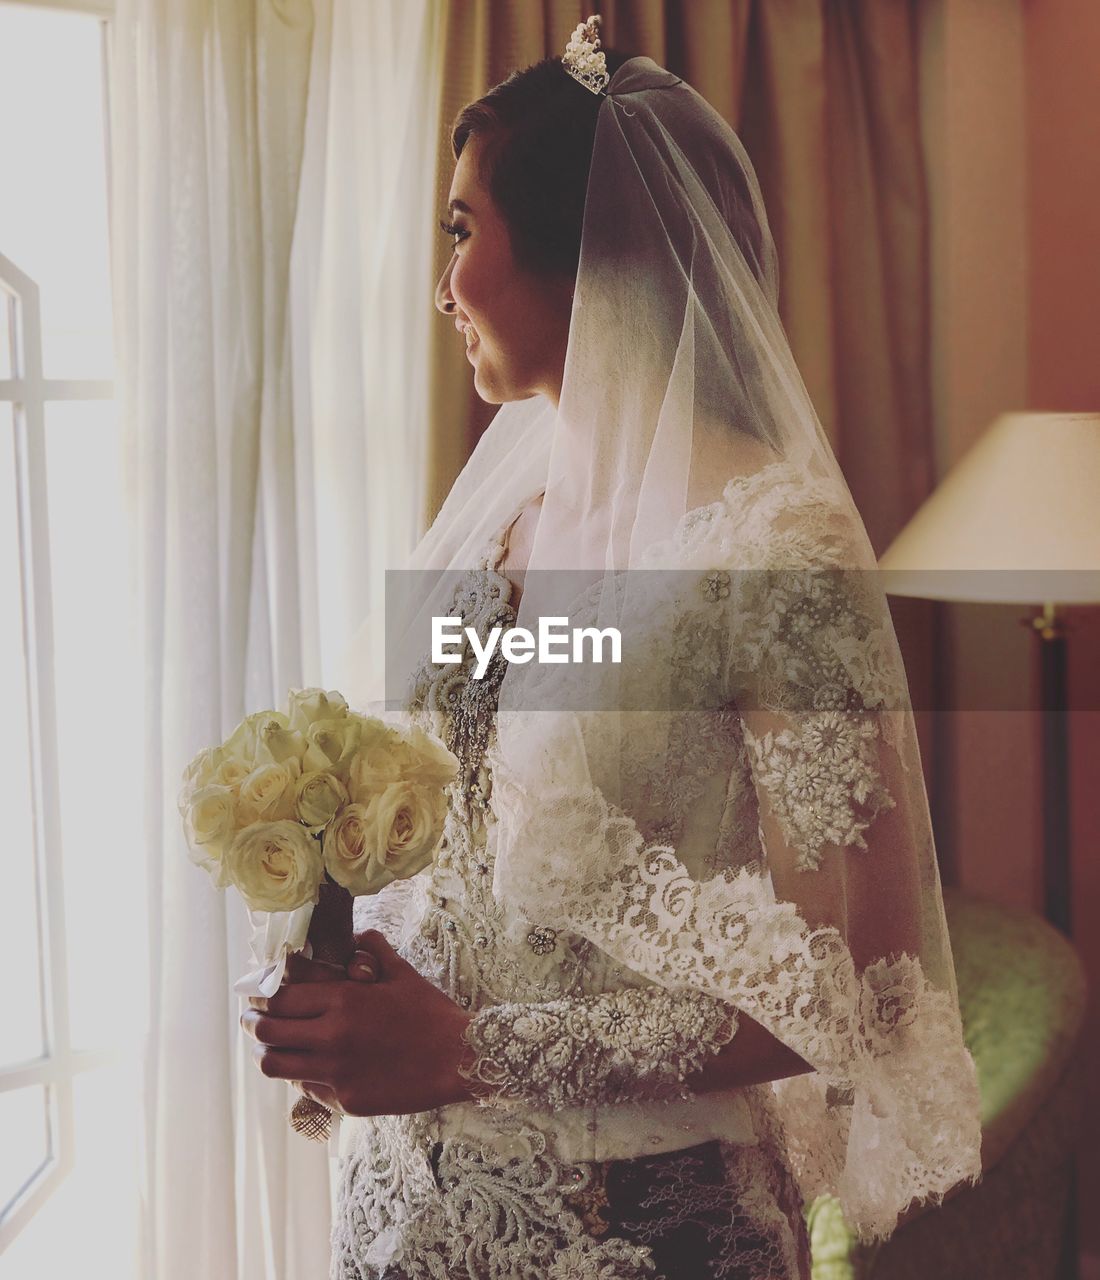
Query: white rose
[318,797]
[382,757]
[276,745]
[306,706]
[387,754]
[241,744]
[391,838]
[351,858]
[265,737]
[231,773]
[275,865]
[331,746]
[432,764]
[210,819]
[408,820]
[268,793]
[374,732]
[200,772]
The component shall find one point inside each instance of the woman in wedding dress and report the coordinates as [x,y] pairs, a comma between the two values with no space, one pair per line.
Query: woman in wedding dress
[680,964]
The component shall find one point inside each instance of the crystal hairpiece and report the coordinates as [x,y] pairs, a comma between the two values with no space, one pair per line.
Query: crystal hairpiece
[582,57]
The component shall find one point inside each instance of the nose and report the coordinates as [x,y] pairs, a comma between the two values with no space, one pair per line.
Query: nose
[443,300]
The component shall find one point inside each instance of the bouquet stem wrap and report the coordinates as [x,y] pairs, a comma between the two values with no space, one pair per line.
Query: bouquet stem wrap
[331,937]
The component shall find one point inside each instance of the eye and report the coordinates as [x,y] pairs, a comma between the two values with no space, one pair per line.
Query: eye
[450,229]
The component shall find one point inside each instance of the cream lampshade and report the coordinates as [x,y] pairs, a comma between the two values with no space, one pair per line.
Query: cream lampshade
[1017,521]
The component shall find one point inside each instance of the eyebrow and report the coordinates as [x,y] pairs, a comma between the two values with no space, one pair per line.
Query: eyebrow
[459,206]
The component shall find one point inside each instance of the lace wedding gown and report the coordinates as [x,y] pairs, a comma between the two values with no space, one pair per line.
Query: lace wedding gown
[591,1159]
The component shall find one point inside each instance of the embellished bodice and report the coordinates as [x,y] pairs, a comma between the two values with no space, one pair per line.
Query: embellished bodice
[466,942]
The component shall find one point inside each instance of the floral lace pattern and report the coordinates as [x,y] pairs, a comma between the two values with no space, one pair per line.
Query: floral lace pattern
[822,781]
[714,1210]
[411,1208]
[613,1047]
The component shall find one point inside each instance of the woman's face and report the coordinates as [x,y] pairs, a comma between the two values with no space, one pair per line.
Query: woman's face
[515,323]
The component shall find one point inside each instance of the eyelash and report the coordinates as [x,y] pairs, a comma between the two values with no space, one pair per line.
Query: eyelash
[450,229]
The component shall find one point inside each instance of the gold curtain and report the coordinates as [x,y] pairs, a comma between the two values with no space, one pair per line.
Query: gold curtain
[823,93]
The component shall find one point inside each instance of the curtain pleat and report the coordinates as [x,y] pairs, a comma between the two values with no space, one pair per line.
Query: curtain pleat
[361,284]
[207,116]
[709,40]
[880,251]
[784,131]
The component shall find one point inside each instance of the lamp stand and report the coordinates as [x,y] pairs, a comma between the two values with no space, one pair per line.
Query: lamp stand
[1050,628]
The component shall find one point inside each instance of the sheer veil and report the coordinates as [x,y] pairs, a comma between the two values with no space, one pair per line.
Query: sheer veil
[738,806]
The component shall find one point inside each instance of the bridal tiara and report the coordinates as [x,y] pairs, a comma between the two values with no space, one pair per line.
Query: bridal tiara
[583,59]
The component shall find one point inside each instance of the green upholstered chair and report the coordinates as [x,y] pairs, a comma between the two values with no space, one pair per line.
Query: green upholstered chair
[1022,997]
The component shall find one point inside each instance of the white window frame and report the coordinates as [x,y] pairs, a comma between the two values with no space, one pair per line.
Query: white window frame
[28,392]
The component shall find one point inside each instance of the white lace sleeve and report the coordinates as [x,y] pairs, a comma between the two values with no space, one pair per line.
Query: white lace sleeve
[618,1046]
[844,832]
[817,718]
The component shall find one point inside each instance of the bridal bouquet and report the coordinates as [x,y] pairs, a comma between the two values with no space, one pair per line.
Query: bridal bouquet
[293,805]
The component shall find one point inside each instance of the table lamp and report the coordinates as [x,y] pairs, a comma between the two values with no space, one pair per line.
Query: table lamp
[1017,521]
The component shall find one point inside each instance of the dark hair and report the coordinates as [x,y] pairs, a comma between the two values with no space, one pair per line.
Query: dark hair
[538,127]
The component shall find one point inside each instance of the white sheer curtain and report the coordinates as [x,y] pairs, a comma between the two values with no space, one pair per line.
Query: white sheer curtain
[361,289]
[262,506]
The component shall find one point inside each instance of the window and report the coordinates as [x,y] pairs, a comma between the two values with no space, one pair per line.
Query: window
[70,878]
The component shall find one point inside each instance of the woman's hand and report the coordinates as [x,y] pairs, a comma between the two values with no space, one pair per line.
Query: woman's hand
[299,969]
[384,1047]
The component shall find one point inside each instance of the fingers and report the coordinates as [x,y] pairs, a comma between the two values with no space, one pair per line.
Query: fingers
[284,1064]
[362,967]
[283,1033]
[321,1093]
[311,995]
[301,969]
[302,1000]
[388,964]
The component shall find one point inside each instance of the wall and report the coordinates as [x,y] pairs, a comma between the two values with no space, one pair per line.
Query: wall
[1011,124]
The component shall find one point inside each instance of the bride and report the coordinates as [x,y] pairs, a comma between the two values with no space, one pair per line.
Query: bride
[680,964]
